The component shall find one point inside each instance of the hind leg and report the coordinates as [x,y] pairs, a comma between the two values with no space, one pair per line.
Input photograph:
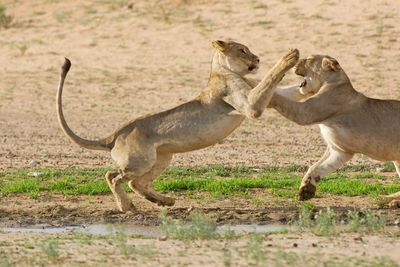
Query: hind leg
[135,155]
[394,199]
[115,182]
[143,184]
[332,160]
[397,166]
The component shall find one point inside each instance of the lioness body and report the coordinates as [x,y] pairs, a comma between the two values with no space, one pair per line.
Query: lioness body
[381,141]
[350,122]
[143,148]
[195,120]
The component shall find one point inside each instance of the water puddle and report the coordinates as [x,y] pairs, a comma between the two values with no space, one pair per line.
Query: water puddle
[146,231]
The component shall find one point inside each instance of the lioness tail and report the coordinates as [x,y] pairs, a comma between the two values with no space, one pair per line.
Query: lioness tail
[90,144]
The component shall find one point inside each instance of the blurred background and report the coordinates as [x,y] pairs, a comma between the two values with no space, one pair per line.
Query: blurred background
[131,58]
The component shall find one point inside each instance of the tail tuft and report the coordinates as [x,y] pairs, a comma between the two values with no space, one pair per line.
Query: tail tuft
[66,66]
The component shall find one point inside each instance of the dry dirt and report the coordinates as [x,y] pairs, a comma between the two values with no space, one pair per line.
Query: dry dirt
[131,58]
[59,210]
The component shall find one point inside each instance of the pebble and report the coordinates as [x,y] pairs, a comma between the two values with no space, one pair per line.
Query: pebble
[34,174]
[163,238]
[33,163]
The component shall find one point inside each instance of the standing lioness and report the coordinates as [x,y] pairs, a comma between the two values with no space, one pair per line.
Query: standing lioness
[143,148]
[350,122]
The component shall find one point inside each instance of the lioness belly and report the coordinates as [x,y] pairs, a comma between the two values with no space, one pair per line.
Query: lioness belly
[374,143]
[201,134]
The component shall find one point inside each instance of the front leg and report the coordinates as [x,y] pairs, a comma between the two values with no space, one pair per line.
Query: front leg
[394,199]
[292,93]
[261,95]
[252,102]
[314,110]
[332,160]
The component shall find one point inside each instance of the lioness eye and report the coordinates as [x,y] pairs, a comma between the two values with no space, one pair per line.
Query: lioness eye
[242,50]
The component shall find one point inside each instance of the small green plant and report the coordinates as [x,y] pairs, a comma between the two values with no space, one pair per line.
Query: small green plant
[226,257]
[283,258]
[366,220]
[82,238]
[5,20]
[199,227]
[305,218]
[254,251]
[379,25]
[120,240]
[146,251]
[325,223]
[62,16]
[228,235]
[22,47]
[4,260]
[50,247]
[322,223]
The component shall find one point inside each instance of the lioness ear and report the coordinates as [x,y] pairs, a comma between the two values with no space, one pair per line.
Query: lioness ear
[220,45]
[329,63]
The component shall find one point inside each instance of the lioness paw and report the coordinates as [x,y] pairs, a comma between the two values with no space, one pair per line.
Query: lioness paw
[394,204]
[307,191]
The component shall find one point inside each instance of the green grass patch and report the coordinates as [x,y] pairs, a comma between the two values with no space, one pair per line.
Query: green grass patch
[72,181]
[217,180]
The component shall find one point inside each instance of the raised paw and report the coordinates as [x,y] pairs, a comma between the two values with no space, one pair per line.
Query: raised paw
[291,58]
[307,191]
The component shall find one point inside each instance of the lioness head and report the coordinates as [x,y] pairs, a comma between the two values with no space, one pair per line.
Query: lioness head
[318,70]
[236,57]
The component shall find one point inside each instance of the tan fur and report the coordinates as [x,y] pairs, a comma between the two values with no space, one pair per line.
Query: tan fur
[350,122]
[144,147]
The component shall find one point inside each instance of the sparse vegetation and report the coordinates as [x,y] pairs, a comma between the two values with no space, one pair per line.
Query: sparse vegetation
[130,250]
[226,257]
[305,217]
[379,25]
[254,251]
[365,220]
[325,222]
[5,20]
[199,227]
[50,247]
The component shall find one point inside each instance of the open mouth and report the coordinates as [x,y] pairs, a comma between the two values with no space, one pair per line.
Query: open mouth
[252,67]
[304,83]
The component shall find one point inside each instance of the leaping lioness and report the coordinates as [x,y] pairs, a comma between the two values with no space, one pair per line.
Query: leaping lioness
[143,148]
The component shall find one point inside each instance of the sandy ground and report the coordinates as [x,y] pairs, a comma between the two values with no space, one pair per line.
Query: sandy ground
[131,58]
[301,249]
